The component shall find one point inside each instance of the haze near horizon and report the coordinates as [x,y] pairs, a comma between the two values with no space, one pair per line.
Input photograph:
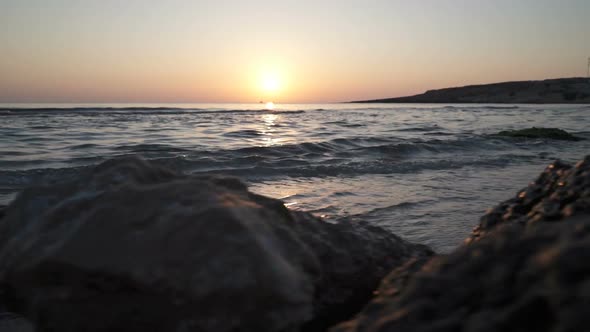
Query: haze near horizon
[281,51]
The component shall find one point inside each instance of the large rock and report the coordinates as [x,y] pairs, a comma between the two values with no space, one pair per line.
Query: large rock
[535,279]
[527,268]
[10,322]
[129,246]
[559,192]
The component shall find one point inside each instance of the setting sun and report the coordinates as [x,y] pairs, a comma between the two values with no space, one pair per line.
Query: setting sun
[270,82]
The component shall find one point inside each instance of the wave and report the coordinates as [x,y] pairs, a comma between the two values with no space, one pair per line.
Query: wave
[366,146]
[339,157]
[338,149]
[257,168]
[345,123]
[421,128]
[391,208]
[243,133]
[138,148]
[501,107]
[482,107]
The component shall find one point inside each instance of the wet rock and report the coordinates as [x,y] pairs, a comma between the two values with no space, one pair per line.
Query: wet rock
[550,133]
[560,191]
[515,279]
[129,246]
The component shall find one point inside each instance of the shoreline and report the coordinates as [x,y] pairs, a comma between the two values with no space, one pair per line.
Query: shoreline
[551,91]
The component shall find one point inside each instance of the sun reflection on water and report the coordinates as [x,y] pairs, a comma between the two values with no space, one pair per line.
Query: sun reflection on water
[269,130]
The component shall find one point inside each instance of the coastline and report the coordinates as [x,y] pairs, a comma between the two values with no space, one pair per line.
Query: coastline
[551,91]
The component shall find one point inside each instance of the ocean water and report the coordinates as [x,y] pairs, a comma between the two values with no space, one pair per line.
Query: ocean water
[424,172]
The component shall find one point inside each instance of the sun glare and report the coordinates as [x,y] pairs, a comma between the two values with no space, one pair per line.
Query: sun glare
[270,106]
[271,82]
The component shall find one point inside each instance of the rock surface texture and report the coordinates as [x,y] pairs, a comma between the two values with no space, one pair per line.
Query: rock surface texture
[560,191]
[536,280]
[133,247]
[529,270]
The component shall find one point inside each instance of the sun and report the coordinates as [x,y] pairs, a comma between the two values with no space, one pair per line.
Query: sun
[270,82]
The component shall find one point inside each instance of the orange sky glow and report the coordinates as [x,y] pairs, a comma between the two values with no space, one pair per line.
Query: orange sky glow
[282,51]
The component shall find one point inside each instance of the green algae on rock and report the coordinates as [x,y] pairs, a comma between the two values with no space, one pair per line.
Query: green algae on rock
[551,133]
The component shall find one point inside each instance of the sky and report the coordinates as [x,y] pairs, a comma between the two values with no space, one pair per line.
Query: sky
[283,51]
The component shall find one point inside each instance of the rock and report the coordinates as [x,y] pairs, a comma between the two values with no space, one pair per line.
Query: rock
[524,269]
[551,133]
[129,246]
[10,322]
[560,191]
[515,279]
[354,258]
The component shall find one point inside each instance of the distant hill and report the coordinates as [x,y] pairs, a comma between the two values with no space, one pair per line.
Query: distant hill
[553,91]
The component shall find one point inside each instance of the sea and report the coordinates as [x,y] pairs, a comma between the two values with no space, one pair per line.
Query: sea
[425,172]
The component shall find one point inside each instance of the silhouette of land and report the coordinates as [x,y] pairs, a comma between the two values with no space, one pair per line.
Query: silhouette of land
[552,91]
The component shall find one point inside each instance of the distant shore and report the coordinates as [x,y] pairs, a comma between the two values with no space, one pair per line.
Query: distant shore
[552,91]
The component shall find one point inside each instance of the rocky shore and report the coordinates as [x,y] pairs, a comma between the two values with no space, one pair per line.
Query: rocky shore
[524,268]
[130,246]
